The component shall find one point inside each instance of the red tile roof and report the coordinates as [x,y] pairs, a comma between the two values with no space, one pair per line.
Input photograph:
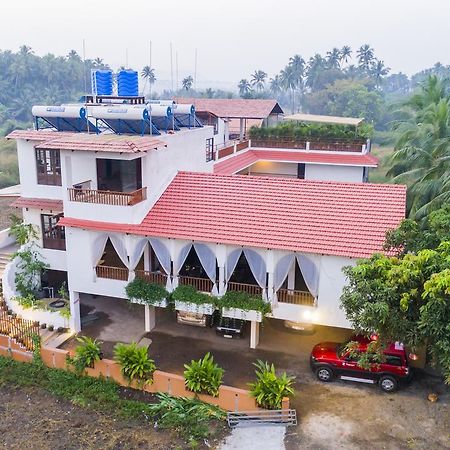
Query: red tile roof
[240,161]
[103,143]
[39,203]
[37,135]
[346,219]
[89,142]
[234,107]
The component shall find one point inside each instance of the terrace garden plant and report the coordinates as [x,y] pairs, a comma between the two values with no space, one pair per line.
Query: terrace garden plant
[269,389]
[203,376]
[86,353]
[145,292]
[292,130]
[135,363]
[244,301]
[189,294]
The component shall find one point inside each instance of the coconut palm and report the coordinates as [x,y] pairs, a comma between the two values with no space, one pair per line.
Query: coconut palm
[187,83]
[259,79]
[346,53]
[73,56]
[289,80]
[365,56]
[275,84]
[422,153]
[378,70]
[148,74]
[334,58]
[316,65]
[244,87]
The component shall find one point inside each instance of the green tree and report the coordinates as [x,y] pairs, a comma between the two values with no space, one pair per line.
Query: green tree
[404,299]
[148,74]
[422,151]
[365,56]
[245,88]
[187,83]
[258,79]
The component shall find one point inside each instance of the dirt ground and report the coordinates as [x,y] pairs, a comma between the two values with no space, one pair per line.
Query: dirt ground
[32,419]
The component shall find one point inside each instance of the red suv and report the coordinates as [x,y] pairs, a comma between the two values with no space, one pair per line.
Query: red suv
[330,359]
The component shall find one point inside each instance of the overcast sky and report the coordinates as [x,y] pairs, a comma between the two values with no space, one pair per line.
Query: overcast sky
[233,37]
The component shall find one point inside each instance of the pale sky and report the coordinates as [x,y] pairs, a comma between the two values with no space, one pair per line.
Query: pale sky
[233,37]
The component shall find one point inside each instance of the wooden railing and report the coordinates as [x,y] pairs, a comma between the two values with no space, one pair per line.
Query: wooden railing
[251,289]
[152,277]
[295,297]
[107,197]
[201,284]
[341,145]
[21,330]
[112,273]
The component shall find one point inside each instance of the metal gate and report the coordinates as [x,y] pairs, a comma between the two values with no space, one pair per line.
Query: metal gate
[262,417]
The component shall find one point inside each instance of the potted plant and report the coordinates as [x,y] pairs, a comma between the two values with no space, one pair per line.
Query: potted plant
[135,363]
[240,305]
[86,353]
[203,376]
[269,390]
[144,293]
[188,299]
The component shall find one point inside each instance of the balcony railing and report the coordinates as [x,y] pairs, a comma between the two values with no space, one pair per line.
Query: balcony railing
[201,284]
[107,197]
[152,277]
[251,289]
[324,144]
[112,273]
[295,297]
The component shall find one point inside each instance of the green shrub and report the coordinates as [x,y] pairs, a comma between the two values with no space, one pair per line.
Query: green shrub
[270,389]
[27,301]
[244,301]
[190,295]
[203,376]
[188,416]
[149,293]
[85,354]
[134,362]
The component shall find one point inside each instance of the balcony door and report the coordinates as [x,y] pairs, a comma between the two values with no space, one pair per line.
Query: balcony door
[119,175]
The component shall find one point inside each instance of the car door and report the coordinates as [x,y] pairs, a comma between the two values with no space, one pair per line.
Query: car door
[351,368]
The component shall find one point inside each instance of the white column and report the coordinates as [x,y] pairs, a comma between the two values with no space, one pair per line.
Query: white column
[147,258]
[254,334]
[221,256]
[150,317]
[75,319]
[270,265]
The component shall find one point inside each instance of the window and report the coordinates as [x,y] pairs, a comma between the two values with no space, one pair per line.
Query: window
[209,149]
[48,164]
[393,360]
[52,236]
[301,171]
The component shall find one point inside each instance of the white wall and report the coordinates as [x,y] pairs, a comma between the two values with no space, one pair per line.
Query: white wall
[328,172]
[274,168]
[327,312]
[57,259]
[28,174]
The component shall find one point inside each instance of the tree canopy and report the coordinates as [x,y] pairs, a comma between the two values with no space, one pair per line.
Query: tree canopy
[406,297]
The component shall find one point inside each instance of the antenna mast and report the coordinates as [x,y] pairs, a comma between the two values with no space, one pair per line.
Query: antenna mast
[171,66]
[195,70]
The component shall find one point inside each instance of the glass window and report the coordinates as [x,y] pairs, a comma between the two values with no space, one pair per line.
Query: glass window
[53,236]
[209,149]
[48,165]
[393,360]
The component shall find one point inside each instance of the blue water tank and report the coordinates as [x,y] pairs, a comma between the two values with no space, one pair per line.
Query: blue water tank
[128,83]
[102,82]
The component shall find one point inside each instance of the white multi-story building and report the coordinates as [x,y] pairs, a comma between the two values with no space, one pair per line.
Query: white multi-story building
[172,208]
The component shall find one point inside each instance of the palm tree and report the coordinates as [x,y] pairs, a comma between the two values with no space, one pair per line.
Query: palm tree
[98,63]
[148,74]
[245,88]
[421,158]
[316,65]
[187,83]
[25,50]
[258,79]
[378,70]
[275,84]
[73,56]
[365,56]
[334,58]
[346,53]
[289,80]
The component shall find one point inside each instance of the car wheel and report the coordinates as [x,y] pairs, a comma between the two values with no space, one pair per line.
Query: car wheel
[388,383]
[324,374]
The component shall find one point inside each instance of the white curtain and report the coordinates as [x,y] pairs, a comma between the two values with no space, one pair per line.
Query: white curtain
[182,255]
[208,261]
[257,266]
[232,260]
[97,249]
[310,268]
[281,272]
[162,253]
[135,250]
[120,249]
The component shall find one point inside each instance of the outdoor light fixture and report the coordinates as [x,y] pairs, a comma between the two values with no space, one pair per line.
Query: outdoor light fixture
[413,357]
[374,337]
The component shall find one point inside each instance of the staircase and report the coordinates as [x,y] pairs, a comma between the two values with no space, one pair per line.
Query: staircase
[4,259]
